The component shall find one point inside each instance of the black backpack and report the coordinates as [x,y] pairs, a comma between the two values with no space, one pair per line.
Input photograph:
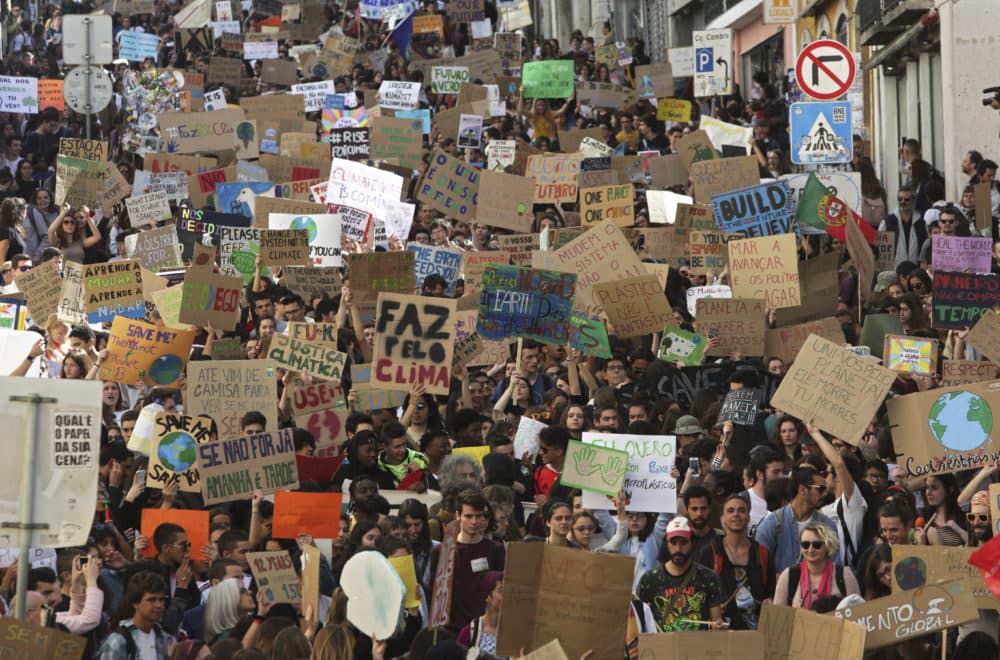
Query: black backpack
[795,574]
[131,650]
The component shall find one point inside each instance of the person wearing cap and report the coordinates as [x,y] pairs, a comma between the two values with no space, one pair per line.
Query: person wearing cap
[687,431]
[682,594]
[779,531]
[888,282]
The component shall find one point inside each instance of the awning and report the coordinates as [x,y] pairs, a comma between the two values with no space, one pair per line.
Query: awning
[739,16]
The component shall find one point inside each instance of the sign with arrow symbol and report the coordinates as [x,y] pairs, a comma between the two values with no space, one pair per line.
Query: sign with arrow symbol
[713,53]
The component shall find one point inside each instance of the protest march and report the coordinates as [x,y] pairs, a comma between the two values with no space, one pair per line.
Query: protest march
[371,329]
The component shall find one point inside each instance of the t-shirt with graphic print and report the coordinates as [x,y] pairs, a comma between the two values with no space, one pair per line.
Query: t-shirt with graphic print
[673,606]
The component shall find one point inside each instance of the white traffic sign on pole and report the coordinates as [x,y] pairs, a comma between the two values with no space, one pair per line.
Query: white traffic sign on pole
[713,62]
[75,29]
[825,70]
[75,89]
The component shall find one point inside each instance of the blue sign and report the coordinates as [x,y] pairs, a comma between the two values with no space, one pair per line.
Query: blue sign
[704,60]
[446,262]
[137,46]
[764,210]
[526,302]
[820,133]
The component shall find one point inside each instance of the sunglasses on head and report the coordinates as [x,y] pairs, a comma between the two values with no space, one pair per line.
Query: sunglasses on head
[816,545]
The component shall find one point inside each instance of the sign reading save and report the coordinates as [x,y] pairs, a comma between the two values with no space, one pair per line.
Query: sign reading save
[551,79]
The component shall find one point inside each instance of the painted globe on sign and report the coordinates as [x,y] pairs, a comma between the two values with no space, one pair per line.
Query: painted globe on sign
[305,222]
[177,451]
[960,421]
[911,572]
[166,369]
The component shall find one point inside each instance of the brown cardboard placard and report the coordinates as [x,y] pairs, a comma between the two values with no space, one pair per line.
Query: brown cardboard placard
[636,306]
[798,634]
[964,372]
[885,251]
[318,332]
[569,141]
[932,564]
[466,350]
[984,204]
[24,640]
[265,206]
[608,202]
[414,342]
[157,249]
[985,336]
[450,186]
[311,559]
[225,389]
[786,341]
[284,247]
[766,267]
[713,177]
[168,305]
[707,250]
[275,576]
[308,281]
[696,146]
[729,644]
[505,201]
[148,209]
[374,273]
[667,171]
[818,278]
[279,72]
[192,132]
[835,388]
[658,78]
[556,177]
[473,265]
[113,288]
[210,298]
[738,324]
[72,300]
[399,139]
[540,579]
[274,107]
[233,468]
[42,287]
[95,150]
[861,255]
[319,360]
[520,247]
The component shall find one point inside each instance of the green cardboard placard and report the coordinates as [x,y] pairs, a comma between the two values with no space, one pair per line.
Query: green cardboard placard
[594,468]
[678,345]
[551,79]
[876,327]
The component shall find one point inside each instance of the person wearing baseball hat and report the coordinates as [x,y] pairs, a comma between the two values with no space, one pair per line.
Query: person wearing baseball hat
[681,594]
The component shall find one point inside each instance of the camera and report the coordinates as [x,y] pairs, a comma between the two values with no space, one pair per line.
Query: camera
[994,100]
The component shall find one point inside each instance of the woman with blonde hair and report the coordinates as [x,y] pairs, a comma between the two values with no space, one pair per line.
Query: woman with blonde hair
[816,577]
[333,643]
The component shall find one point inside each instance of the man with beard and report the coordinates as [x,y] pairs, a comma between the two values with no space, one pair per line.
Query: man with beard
[744,567]
[765,465]
[980,522]
[680,592]
[697,507]
[779,531]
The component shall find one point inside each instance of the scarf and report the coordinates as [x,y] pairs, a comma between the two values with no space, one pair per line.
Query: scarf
[825,583]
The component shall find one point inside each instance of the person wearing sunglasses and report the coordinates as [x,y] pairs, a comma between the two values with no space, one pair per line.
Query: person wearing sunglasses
[817,575]
[779,531]
[980,519]
[950,221]
[909,227]
[173,554]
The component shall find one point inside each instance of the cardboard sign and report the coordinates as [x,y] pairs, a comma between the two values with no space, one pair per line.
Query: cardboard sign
[918,566]
[818,278]
[526,302]
[194,132]
[450,186]
[148,209]
[520,247]
[765,267]
[786,342]
[210,298]
[505,201]
[648,486]
[838,390]
[306,513]
[654,80]
[739,407]
[474,266]
[142,352]
[224,390]
[961,254]
[674,110]
[798,634]
[861,255]
[885,251]
[448,79]
[736,324]
[916,612]
[444,577]
[173,454]
[323,333]
[550,79]
[984,336]
[397,139]
[556,177]
[913,355]
[93,150]
[608,203]
[729,644]
[374,273]
[946,429]
[635,307]
[446,262]
[311,281]
[113,289]
[678,345]
[414,342]
[42,286]
[960,300]
[696,147]
[719,176]
[762,210]
[707,251]
[984,204]
[22,640]
[233,469]
[538,577]
[319,360]
[275,576]
[963,372]
[594,468]
[284,247]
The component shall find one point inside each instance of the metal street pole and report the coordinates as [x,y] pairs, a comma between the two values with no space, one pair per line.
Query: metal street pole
[86,72]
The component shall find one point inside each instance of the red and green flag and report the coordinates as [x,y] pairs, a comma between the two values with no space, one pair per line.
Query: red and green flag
[821,209]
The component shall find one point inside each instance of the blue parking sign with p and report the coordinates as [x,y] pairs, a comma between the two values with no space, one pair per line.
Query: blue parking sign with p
[704,60]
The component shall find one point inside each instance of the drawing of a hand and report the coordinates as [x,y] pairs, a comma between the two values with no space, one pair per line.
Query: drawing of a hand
[611,470]
[585,461]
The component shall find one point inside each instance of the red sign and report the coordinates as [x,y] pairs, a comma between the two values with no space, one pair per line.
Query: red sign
[825,70]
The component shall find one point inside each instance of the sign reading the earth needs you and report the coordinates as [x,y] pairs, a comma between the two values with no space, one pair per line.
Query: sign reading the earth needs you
[945,430]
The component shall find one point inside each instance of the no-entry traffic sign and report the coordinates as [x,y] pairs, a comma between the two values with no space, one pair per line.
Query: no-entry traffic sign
[825,70]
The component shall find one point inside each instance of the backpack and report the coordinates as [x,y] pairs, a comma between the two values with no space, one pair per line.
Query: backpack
[795,574]
[892,224]
[719,555]
[131,650]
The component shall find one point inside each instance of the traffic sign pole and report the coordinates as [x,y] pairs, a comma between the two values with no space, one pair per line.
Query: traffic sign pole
[87,72]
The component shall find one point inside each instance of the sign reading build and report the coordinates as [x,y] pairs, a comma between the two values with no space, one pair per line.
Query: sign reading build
[415,342]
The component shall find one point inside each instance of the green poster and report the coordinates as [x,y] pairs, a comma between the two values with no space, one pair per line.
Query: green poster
[551,79]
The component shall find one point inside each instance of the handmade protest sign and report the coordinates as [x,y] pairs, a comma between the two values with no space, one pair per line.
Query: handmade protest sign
[474,265]
[321,409]
[210,298]
[963,372]
[818,278]
[960,300]
[174,450]
[961,254]
[148,209]
[556,177]
[450,186]
[912,613]
[351,142]
[739,407]
[861,255]
[225,389]
[765,267]
[448,79]
[762,210]
[321,332]
[707,251]
[800,634]
[520,247]
[400,139]
[677,110]
[446,262]
[540,579]
[608,202]
[233,469]
[373,273]
[505,201]
[838,390]
[42,286]
[722,175]
[113,289]
[885,251]
[200,132]
[786,341]
[678,345]
[308,281]
[362,187]
[636,306]
[917,566]
[945,429]
[648,486]
[275,576]
[142,352]
[319,360]
[414,342]
[984,336]
[95,150]
[594,468]
[284,247]
[730,644]
[551,79]
[589,336]
[914,355]
[737,324]
[525,302]
[398,94]
[305,513]
[23,640]
[72,305]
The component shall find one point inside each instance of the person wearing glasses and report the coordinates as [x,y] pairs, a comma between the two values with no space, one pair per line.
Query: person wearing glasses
[779,531]
[908,225]
[951,222]
[7,283]
[817,575]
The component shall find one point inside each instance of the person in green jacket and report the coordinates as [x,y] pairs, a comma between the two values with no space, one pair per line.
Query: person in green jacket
[396,457]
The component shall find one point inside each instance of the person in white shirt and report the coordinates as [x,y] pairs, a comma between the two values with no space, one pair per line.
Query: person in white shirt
[848,510]
[765,465]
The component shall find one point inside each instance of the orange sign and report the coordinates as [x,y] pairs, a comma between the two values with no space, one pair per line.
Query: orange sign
[310,513]
[50,94]
[195,524]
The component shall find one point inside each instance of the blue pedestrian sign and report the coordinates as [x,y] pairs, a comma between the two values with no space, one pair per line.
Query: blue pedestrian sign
[820,133]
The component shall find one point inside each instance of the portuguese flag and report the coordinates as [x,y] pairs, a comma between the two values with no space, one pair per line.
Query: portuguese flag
[820,208]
